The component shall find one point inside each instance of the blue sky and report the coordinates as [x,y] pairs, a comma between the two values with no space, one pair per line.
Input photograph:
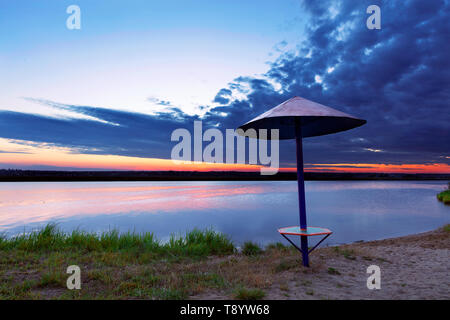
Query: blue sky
[128,54]
[137,70]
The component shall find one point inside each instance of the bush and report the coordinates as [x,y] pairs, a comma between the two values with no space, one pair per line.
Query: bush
[444,196]
[251,249]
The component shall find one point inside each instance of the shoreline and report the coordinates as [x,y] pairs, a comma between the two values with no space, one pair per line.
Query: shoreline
[412,267]
[103,176]
[23,231]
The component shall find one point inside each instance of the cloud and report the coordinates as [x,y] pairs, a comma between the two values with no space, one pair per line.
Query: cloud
[222,96]
[119,132]
[397,78]
[159,102]
[18,152]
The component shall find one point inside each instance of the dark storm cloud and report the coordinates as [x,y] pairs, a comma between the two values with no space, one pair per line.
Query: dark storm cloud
[118,132]
[397,78]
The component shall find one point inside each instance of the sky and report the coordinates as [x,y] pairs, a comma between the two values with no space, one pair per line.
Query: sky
[109,95]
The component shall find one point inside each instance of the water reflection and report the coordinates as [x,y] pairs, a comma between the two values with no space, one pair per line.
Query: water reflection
[244,210]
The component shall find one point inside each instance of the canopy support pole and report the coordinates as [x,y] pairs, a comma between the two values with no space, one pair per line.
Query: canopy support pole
[301,193]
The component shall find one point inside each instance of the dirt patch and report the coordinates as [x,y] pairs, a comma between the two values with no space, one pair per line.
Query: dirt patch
[412,267]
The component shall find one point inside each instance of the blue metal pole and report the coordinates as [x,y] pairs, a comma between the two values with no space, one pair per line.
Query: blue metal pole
[301,193]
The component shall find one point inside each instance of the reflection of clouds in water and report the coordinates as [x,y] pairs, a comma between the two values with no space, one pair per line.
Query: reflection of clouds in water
[51,201]
[245,210]
[352,185]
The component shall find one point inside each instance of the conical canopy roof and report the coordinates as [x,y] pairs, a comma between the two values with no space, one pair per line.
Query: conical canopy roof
[315,119]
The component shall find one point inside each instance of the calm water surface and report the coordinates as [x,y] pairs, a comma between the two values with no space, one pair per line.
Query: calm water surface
[354,210]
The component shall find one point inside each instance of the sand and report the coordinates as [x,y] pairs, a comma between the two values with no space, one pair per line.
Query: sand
[412,267]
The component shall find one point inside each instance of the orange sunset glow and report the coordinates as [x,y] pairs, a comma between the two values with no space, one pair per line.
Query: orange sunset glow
[379,167]
[22,155]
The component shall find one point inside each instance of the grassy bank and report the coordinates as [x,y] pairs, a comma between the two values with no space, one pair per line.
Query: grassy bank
[206,265]
[194,244]
[120,265]
[444,196]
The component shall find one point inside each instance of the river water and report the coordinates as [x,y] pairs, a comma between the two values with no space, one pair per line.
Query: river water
[246,211]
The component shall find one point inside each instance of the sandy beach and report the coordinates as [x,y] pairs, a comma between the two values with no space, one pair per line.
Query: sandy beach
[412,267]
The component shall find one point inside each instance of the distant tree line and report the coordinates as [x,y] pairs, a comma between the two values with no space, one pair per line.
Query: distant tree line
[41,175]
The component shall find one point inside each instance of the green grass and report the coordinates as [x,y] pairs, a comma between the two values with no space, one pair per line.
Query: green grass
[286,264]
[52,279]
[251,249]
[50,238]
[277,246]
[249,294]
[131,265]
[113,265]
[348,254]
[333,271]
[444,196]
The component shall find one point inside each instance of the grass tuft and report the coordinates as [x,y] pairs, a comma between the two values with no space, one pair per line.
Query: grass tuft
[333,271]
[200,243]
[251,249]
[287,265]
[278,246]
[348,254]
[249,294]
[444,196]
